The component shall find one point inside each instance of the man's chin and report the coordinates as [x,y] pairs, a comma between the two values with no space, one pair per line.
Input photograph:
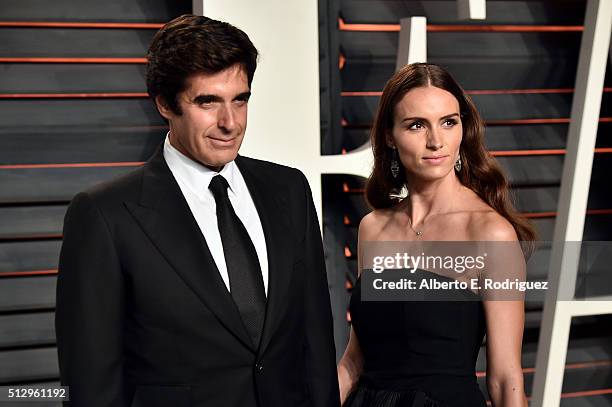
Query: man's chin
[217,163]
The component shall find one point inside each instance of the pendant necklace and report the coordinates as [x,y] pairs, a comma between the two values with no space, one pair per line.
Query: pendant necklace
[419,233]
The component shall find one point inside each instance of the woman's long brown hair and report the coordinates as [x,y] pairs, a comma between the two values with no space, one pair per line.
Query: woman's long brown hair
[480,171]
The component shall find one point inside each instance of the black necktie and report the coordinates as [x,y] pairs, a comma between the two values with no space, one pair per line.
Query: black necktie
[246,282]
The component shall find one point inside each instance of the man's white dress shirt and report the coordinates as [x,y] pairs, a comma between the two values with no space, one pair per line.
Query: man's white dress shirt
[193,178]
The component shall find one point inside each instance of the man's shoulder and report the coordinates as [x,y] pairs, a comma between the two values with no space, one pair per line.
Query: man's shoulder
[117,189]
[279,172]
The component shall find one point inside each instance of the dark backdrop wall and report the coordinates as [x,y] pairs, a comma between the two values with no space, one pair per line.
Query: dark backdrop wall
[74,111]
[522,81]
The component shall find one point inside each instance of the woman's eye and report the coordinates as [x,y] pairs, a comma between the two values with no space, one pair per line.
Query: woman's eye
[450,122]
[416,126]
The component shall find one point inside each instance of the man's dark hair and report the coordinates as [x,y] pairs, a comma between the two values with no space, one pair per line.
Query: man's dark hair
[190,45]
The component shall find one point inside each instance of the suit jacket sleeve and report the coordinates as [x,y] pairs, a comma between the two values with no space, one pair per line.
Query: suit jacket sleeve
[89,310]
[319,346]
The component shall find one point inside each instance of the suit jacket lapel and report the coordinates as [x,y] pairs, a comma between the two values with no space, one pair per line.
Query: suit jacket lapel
[271,205]
[164,215]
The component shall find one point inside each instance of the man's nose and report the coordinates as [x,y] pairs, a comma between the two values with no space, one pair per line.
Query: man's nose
[227,119]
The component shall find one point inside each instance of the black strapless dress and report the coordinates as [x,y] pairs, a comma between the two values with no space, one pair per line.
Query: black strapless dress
[417,353]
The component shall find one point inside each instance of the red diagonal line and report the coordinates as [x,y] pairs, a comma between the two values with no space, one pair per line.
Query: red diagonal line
[54,24]
[485,92]
[29,273]
[504,28]
[41,60]
[510,153]
[586,393]
[70,165]
[539,215]
[342,26]
[533,215]
[562,120]
[560,151]
[72,95]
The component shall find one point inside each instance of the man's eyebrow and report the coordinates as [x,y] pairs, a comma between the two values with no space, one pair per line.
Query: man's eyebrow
[204,98]
[243,96]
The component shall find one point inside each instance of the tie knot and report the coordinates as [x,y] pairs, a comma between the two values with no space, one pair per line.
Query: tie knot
[218,186]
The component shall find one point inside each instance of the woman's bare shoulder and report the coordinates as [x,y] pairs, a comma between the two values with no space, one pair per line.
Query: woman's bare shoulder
[484,223]
[373,223]
[489,225]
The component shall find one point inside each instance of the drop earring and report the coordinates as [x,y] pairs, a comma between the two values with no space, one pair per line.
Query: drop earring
[395,164]
[458,164]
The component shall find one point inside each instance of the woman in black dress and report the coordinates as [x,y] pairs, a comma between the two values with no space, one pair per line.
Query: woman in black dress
[427,140]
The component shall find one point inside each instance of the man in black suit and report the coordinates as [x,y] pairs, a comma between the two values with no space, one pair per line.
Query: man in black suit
[198,279]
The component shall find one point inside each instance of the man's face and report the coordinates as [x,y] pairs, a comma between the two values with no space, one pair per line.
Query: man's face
[214,116]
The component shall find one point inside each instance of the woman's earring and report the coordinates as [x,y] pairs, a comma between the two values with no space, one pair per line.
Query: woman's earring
[458,164]
[395,164]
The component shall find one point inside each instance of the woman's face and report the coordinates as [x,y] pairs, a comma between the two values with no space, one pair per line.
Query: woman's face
[427,132]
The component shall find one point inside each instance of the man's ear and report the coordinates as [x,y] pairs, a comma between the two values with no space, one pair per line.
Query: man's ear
[163,108]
